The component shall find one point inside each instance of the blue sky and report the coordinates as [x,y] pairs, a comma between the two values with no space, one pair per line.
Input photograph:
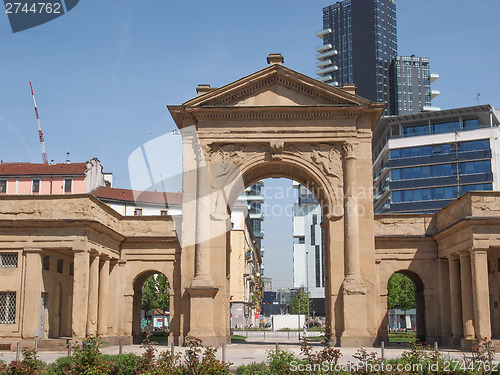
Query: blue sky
[104,72]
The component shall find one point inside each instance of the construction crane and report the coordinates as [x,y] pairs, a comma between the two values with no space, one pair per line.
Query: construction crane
[40,133]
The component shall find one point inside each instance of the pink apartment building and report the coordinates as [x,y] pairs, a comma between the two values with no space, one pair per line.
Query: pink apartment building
[62,178]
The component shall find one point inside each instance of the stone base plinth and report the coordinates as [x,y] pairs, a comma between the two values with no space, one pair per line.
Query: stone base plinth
[356,341]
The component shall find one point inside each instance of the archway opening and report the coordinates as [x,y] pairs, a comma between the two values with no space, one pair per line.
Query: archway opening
[283,252]
[151,307]
[406,307]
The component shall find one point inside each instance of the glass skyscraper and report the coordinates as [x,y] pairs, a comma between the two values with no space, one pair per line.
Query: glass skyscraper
[410,81]
[360,47]
[359,44]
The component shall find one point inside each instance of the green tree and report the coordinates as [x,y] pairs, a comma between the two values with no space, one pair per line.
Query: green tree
[400,292]
[304,300]
[156,294]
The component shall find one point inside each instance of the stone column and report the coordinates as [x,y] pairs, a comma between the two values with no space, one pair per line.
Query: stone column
[481,293]
[93,295]
[202,275]
[115,300]
[80,293]
[102,317]
[455,298]
[31,312]
[353,288]
[467,298]
[444,299]
[351,238]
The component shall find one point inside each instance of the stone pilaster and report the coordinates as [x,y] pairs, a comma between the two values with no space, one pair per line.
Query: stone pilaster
[32,292]
[80,293]
[93,295]
[467,298]
[455,298]
[102,317]
[481,293]
[353,288]
[114,298]
[444,299]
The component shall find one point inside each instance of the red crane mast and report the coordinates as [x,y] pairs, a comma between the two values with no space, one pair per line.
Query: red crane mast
[40,133]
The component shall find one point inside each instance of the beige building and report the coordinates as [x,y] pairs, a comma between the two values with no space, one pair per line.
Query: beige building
[78,266]
[245,277]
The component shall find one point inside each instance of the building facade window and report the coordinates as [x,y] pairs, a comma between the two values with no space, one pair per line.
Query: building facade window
[8,260]
[71,269]
[35,186]
[3,186]
[60,265]
[68,185]
[164,212]
[138,212]
[46,262]
[7,307]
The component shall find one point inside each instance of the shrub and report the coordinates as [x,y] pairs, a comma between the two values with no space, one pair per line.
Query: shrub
[122,364]
[29,365]
[253,369]
[87,359]
[279,362]
[61,366]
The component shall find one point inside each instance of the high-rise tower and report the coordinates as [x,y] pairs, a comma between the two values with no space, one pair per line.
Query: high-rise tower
[359,44]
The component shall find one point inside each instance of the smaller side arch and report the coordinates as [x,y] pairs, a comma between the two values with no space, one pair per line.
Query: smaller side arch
[417,281]
[137,285]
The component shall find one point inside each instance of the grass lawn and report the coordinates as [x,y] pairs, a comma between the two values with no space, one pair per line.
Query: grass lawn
[404,337]
[238,338]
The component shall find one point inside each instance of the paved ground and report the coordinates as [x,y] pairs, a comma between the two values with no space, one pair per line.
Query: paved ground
[253,350]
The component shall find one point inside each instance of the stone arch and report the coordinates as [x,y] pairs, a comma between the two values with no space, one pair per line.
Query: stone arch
[291,167]
[419,300]
[137,284]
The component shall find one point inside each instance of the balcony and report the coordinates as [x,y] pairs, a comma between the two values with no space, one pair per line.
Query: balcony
[332,68]
[429,108]
[434,93]
[434,76]
[323,47]
[246,199]
[325,78]
[322,63]
[322,33]
[256,215]
[326,54]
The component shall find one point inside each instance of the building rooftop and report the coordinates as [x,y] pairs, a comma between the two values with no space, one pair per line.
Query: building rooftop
[29,169]
[154,197]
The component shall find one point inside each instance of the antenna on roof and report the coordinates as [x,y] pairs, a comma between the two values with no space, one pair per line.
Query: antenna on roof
[477,97]
[40,133]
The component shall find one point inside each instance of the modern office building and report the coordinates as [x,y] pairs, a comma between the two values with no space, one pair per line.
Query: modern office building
[423,161]
[308,264]
[252,197]
[359,44]
[360,47]
[410,80]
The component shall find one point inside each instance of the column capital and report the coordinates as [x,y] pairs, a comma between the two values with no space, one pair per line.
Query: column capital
[479,250]
[32,250]
[453,258]
[104,257]
[81,251]
[350,149]
[464,253]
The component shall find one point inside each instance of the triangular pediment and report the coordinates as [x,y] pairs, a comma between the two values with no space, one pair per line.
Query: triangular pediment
[276,85]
